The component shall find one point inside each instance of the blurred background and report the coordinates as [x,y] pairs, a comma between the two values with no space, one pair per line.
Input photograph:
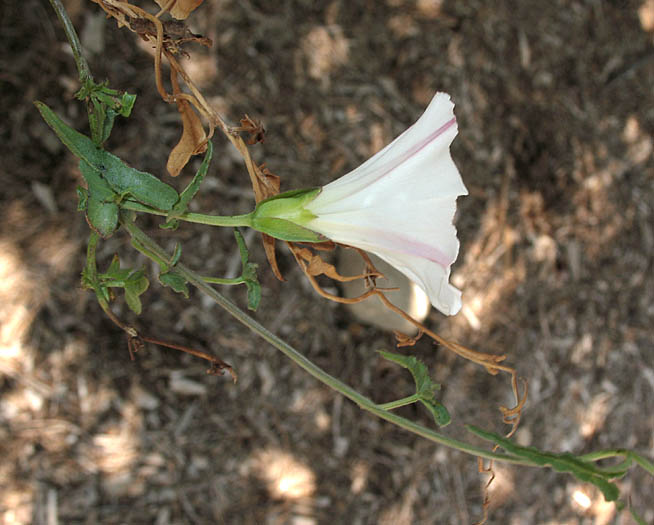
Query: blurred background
[556,117]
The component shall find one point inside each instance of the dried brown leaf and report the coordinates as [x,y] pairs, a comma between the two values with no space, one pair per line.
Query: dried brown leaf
[269,248]
[193,141]
[254,128]
[179,9]
[406,340]
[270,182]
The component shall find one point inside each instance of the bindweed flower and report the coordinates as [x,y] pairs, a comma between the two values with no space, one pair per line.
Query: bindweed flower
[399,205]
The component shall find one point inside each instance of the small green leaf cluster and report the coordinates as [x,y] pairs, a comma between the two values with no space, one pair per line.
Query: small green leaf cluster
[104,105]
[425,388]
[112,185]
[133,282]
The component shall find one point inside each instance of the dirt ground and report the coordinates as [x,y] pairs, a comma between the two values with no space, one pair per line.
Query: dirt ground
[555,104]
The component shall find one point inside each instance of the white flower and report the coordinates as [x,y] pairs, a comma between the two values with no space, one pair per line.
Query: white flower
[400,205]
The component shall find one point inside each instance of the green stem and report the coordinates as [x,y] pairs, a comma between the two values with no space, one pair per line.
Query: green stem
[317,372]
[219,280]
[620,452]
[400,402]
[198,218]
[81,63]
[91,265]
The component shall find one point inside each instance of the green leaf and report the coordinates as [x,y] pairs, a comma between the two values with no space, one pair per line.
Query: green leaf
[135,285]
[97,116]
[564,462]
[126,104]
[438,412]
[249,273]
[104,105]
[175,281]
[102,216]
[425,388]
[97,186]
[102,293]
[108,125]
[133,301]
[190,191]
[142,186]
[121,178]
[176,254]
[114,266]
[137,282]
[254,294]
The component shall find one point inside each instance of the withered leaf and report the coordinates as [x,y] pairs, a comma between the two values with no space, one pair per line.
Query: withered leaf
[254,128]
[181,9]
[316,266]
[406,340]
[270,183]
[269,248]
[193,139]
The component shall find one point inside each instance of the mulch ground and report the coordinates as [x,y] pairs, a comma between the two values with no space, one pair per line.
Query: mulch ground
[556,117]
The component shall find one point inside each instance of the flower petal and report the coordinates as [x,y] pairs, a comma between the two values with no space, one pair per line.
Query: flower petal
[430,276]
[413,158]
[423,229]
[400,205]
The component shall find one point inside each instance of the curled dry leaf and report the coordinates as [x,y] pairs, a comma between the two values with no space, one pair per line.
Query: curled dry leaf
[179,9]
[269,248]
[269,182]
[193,139]
[175,33]
[255,129]
[315,266]
[406,340]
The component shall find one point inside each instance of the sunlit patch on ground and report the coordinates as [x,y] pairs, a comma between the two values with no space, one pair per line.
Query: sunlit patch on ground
[285,477]
[646,15]
[588,501]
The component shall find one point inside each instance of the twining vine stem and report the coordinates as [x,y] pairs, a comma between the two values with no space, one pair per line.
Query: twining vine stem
[153,250]
[366,404]
[73,40]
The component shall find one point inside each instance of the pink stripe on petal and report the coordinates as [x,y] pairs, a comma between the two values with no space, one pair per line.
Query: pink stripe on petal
[413,150]
[398,243]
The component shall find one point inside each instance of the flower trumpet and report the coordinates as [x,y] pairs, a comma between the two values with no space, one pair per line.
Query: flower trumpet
[399,205]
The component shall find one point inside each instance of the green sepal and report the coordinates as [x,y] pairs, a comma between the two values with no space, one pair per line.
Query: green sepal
[288,205]
[284,216]
[285,230]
